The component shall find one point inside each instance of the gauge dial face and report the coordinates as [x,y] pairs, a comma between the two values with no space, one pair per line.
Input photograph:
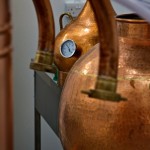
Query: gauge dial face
[68,48]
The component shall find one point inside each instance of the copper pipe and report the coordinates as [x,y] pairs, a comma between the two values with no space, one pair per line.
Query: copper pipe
[44,57]
[106,84]
[6,112]
[107,31]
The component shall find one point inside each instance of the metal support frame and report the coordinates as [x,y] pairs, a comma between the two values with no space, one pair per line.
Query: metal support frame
[37,130]
[47,97]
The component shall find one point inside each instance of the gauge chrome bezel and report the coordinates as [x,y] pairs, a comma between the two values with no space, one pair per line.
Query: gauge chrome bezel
[75,47]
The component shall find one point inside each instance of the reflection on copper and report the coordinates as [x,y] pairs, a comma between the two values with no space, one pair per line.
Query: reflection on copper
[6,112]
[90,124]
[44,56]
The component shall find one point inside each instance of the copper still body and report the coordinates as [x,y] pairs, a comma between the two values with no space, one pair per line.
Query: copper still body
[82,30]
[91,124]
[6,112]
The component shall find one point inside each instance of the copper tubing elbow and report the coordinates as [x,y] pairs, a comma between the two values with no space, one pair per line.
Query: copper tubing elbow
[43,60]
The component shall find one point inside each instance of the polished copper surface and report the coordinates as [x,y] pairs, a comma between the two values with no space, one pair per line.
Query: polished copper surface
[83,31]
[90,124]
[6,112]
[44,56]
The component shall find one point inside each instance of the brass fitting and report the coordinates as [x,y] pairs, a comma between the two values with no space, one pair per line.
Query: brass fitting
[43,61]
[105,90]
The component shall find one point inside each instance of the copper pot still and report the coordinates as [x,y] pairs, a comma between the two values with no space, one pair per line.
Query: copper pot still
[91,124]
[81,30]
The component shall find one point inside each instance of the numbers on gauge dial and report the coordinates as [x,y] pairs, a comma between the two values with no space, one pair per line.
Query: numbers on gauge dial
[68,48]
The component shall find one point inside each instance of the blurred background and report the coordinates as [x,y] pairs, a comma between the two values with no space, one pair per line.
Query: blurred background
[25,38]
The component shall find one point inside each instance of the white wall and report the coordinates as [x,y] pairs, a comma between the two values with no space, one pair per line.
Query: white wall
[119,8]
[25,33]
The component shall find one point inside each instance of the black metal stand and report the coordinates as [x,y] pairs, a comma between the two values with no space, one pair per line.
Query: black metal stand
[37,127]
[47,97]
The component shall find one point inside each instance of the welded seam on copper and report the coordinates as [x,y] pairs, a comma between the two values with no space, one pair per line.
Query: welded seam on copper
[120,78]
[5,28]
[4,52]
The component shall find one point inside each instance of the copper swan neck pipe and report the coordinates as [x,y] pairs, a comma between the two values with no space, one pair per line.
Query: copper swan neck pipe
[46,25]
[106,84]
[44,57]
[104,14]
[6,112]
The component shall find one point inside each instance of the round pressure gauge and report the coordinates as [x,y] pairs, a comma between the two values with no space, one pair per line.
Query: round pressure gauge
[68,48]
